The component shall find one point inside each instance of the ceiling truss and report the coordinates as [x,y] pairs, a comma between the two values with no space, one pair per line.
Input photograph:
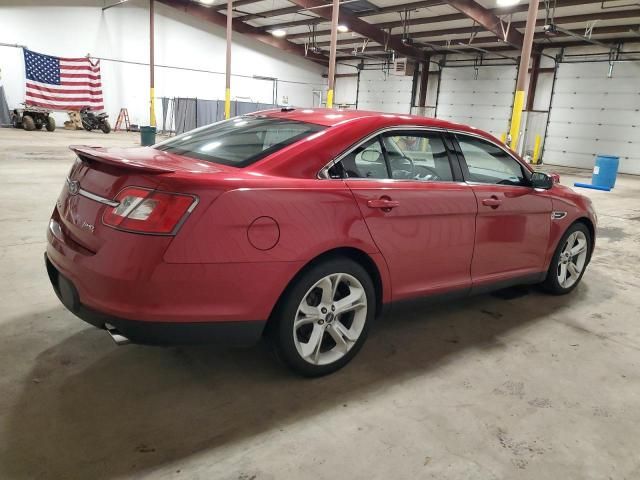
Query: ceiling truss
[477,28]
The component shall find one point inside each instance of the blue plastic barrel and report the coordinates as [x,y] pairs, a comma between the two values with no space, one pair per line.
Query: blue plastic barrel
[605,171]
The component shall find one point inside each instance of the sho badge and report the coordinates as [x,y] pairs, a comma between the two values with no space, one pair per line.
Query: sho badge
[88,226]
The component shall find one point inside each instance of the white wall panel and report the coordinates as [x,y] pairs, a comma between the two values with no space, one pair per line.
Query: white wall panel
[346,91]
[384,93]
[592,114]
[483,102]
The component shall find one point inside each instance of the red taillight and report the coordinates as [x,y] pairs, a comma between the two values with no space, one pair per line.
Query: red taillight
[148,211]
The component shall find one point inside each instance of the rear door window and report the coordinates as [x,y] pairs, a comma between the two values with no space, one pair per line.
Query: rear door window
[239,142]
[488,163]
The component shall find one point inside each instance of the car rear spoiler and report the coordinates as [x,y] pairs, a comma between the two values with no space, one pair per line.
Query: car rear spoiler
[139,164]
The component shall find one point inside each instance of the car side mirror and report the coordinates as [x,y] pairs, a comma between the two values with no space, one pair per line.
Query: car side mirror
[370,156]
[541,180]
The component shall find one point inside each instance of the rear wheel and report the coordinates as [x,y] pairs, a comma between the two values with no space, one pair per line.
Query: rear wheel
[323,319]
[569,261]
[28,123]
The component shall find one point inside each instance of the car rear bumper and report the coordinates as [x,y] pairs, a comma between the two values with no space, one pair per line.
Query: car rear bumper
[246,332]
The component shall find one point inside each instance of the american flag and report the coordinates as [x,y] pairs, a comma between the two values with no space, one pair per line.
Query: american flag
[62,83]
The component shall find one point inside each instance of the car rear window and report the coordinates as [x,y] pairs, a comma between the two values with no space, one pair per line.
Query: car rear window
[240,141]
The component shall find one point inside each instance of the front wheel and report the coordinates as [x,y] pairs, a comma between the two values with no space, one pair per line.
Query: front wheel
[569,261]
[323,318]
[50,124]
[105,126]
[28,123]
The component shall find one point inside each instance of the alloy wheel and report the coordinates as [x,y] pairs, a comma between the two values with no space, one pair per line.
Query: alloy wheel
[572,259]
[330,319]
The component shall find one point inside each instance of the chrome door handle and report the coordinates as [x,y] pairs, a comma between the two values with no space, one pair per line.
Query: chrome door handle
[493,202]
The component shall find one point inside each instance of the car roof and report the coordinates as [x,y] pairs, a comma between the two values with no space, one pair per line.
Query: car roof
[331,117]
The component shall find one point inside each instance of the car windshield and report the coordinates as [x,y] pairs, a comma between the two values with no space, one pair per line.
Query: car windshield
[240,141]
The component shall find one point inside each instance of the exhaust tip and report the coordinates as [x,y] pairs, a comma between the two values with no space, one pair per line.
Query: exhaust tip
[115,334]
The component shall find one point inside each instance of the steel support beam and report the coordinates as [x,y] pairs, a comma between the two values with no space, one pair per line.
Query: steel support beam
[152,88]
[227,72]
[523,72]
[424,83]
[533,82]
[607,30]
[489,21]
[363,28]
[378,11]
[335,13]
[212,16]
[444,18]
[236,4]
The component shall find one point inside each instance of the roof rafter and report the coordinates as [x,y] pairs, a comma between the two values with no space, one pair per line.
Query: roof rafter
[616,29]
[212,16]
[621,15]
[442,18]
[365,29]
[488,20]
[315,21]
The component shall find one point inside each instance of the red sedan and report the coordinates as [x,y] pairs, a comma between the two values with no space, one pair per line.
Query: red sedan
[303,225]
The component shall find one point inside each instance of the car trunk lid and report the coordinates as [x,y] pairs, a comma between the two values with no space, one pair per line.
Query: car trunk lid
[99,174]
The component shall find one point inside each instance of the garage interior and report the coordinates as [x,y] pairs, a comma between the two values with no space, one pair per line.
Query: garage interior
[515,384]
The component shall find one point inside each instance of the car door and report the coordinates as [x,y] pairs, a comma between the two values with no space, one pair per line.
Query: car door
[512,227]
[420,213]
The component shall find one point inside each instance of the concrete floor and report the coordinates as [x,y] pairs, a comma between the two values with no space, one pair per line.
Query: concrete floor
[502,386]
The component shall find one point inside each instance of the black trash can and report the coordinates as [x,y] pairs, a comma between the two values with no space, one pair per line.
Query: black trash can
[147,136]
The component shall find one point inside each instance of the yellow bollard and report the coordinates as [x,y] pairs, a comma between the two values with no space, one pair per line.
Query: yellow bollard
[503,137]
[536,150]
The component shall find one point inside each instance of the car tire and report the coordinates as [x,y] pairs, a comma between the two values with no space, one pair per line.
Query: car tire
[50,124]
[318,327]
[569,261]
[28,123]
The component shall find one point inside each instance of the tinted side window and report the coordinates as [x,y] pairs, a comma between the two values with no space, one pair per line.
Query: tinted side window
[488,163]
[417,156]
[366,161]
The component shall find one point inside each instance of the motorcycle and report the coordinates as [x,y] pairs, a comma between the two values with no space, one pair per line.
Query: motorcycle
[92,121]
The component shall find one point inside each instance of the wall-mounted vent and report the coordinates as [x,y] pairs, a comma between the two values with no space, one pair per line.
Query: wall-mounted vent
[402,67]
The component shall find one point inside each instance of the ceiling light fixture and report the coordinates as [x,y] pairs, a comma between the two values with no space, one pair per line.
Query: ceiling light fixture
[207,2]
[507,3]
[343,28]
[279,33]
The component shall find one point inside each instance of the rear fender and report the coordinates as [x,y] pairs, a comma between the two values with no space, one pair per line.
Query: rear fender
[273,224]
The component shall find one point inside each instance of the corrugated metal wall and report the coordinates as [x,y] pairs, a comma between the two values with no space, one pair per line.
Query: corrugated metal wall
[384,93]
[484,102]
[592,114]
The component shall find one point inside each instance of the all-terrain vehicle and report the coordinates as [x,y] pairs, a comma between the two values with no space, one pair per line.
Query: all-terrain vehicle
[91,120]
[33,118]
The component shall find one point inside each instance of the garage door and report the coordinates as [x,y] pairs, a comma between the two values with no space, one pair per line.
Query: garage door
[592,114]
[484,102]
[384,93]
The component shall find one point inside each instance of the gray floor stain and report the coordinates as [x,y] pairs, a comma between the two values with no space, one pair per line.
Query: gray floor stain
[613,234]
